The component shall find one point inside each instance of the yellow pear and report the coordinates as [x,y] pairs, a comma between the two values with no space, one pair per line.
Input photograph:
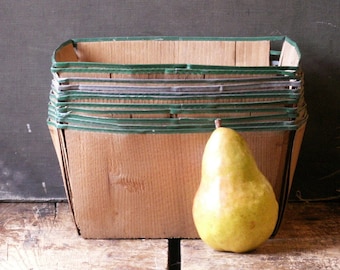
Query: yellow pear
[235,208]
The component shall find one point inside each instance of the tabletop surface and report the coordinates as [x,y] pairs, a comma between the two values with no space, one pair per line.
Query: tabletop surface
[43,236]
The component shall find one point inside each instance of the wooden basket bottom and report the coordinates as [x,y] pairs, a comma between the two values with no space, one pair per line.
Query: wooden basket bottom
[143,185]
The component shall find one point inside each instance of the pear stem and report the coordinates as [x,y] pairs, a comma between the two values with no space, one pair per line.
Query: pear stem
[218,123]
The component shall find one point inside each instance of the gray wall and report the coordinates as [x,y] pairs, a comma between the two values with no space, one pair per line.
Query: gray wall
[31,30]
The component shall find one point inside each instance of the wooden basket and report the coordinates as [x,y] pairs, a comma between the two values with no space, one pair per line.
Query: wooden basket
[130,147]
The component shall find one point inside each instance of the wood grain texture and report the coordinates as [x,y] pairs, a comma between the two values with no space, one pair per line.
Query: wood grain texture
[308,239]
[43,236]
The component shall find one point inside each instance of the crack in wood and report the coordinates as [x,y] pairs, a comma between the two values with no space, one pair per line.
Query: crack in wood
[174,254]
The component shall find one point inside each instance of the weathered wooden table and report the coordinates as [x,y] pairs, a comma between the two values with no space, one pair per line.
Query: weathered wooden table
[43,236]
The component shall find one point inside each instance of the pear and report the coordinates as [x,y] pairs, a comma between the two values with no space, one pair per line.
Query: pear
[235,208]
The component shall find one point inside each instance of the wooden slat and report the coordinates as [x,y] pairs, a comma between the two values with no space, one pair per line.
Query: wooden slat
[43,236]
[308,239]
[252,53]
[66,54]
[289,55]
[158,52]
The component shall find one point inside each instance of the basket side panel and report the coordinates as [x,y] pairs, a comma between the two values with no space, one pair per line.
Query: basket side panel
[66,54]
[133,185]
[143,185]
[289,55]
[68,74]
[296,151]
[158,52]
[252,53]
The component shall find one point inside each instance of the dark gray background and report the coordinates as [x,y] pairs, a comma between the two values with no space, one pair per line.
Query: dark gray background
[31,30]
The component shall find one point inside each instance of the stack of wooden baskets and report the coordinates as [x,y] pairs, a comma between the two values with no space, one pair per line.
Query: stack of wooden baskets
[129,119]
